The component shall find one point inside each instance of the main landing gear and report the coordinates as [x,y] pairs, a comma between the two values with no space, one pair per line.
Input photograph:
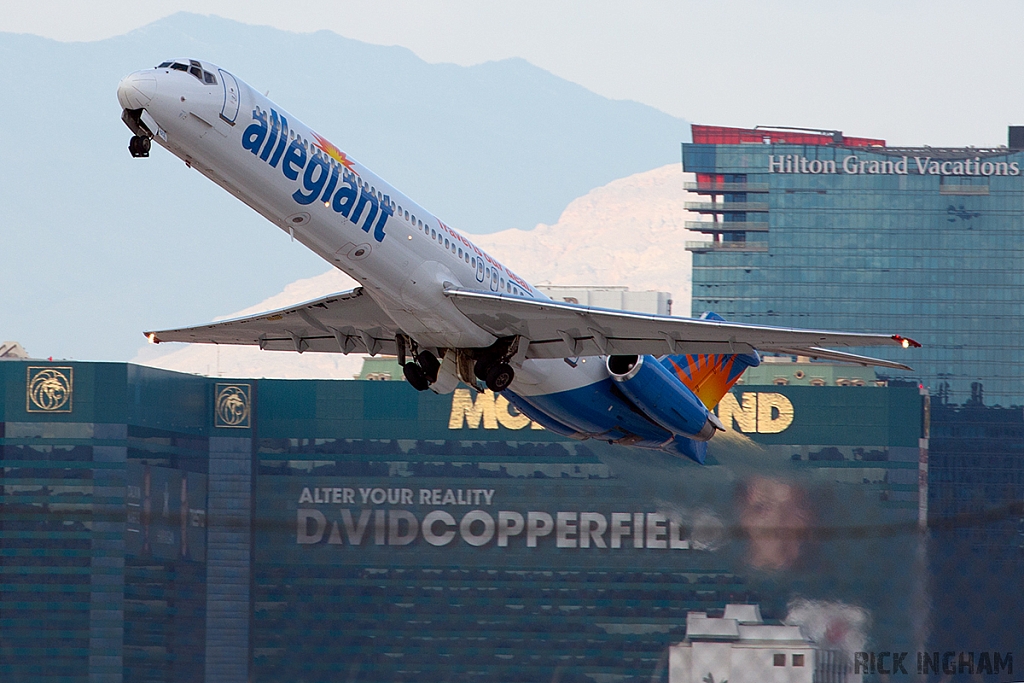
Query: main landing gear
[139,146]
[497,376]
[492,365]
[422,370]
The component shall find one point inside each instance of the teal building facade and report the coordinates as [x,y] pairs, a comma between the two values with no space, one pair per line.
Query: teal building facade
[156,526]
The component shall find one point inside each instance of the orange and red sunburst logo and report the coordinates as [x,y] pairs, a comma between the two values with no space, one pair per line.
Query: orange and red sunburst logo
[333,152]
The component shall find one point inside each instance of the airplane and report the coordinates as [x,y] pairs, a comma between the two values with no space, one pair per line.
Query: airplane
[446,308]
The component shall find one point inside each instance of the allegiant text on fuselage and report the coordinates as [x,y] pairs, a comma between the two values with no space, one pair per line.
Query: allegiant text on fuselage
[323,178]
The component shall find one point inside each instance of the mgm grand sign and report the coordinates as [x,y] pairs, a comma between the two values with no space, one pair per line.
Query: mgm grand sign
[750,412]
[903,165]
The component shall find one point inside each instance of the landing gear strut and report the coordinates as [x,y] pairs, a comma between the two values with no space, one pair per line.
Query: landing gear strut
[139,146]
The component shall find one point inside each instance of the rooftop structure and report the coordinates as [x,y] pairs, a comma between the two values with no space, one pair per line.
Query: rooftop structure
[10,350]
[616,298]
[740,647]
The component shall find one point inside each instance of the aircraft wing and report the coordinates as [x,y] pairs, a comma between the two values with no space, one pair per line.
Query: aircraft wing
[557,329]
[338,323]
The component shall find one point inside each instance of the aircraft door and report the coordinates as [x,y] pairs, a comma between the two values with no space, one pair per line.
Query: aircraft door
[229,112]
[479,270]
[494,279]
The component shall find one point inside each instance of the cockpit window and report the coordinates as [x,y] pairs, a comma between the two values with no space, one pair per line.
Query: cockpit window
[193,67]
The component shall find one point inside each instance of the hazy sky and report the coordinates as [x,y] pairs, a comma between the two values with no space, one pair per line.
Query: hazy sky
[915,72]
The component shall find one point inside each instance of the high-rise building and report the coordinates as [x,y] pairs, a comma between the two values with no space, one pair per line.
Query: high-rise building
[818,229]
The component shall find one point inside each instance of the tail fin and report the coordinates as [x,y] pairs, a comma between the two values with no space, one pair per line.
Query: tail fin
[710,376]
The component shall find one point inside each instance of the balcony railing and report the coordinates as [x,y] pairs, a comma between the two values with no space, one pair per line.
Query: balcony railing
[734,226]
[727,207]
[726,187]
[704,247]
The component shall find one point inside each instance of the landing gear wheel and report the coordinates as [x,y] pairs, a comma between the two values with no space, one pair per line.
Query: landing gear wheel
[139,146]
[429,364]
[480,369]
[499,377]
[414,375]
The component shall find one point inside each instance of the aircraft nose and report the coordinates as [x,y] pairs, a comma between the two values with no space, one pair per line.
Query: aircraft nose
[136,90]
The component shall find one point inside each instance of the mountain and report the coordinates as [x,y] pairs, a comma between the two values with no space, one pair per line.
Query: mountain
[630,232]
[96,246]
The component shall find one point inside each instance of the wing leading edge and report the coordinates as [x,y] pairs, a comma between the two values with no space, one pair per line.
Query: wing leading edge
[345,322]
[556,329]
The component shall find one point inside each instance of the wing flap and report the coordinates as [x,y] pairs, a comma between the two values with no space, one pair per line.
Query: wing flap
[559,329]
[829,354]
[345,322]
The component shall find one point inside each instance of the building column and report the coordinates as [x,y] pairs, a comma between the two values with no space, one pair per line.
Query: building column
[106,592]
[228,560]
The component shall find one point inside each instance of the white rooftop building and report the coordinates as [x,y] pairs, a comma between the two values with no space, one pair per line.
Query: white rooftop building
[616,298]
[11,350]
[740,648]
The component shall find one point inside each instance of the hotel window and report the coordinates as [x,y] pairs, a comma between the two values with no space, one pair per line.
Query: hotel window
[780,660]
[798,660]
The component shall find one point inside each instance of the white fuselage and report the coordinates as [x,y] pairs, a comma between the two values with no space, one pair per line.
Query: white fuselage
[401,253]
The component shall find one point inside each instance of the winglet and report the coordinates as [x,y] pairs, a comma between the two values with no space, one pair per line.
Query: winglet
[905,342]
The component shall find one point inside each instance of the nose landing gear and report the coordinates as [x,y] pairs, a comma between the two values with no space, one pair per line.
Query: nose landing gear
[139,146]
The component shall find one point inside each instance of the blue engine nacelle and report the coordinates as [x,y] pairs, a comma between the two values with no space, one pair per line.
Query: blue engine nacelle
[659,395]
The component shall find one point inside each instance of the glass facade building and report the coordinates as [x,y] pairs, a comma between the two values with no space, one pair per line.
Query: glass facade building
[165,527]
[815,229]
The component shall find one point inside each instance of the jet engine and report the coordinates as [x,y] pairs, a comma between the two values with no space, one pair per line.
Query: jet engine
[659,395]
